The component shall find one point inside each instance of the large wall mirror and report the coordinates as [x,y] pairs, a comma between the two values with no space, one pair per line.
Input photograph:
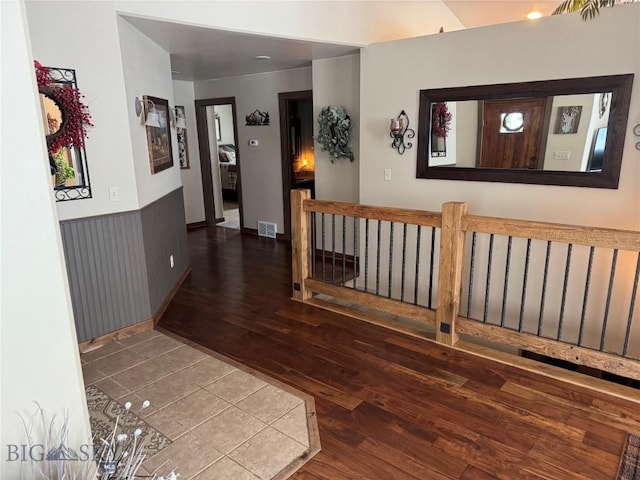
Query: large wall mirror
[557,132]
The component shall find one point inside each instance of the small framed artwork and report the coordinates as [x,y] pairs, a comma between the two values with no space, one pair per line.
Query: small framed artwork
[158,133]
[183,148]
[568,119]
[257,118]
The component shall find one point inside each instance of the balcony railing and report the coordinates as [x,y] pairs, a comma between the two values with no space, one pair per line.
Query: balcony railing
[563,291]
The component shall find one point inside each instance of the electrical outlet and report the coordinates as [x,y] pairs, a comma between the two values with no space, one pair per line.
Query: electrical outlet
[561,155]
[114,195]
[387,174]
[171,262]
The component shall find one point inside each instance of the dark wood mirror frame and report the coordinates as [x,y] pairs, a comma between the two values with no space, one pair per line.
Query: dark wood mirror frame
[620,88]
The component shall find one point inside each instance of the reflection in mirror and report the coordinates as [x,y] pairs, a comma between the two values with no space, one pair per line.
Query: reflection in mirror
[53,118]
[561,132]
[522,133]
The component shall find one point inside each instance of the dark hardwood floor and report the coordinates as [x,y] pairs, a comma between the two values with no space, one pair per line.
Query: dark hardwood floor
[391,406]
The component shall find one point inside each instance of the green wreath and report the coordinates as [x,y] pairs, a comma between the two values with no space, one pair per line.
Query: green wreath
[334,133]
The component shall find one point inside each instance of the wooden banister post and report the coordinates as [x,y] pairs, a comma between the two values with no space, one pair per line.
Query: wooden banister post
[300,248]
[450,271]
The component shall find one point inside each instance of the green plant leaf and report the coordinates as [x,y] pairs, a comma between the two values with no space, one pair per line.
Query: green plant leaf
[588,9]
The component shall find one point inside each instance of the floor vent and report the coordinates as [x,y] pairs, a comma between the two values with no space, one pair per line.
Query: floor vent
[267,229]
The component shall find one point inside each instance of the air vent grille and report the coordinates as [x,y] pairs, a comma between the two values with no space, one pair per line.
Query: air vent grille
[267,229]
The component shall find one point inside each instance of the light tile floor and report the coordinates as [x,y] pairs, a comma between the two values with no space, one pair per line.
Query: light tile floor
[226,422]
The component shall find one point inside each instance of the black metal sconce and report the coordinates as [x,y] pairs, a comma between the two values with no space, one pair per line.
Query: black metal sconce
[400,128]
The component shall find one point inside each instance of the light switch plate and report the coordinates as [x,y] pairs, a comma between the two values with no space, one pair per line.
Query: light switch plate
[561,155]
[387,174]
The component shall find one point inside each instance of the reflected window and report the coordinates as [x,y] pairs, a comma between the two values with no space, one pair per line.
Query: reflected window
[512,122]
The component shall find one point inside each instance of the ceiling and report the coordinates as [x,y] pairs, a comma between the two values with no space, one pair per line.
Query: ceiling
[204,53]
[480,13]
[199,53]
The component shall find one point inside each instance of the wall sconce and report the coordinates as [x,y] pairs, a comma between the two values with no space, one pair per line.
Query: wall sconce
[151,117]
[400,128]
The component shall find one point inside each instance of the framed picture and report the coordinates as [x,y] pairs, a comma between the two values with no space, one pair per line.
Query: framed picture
[158,133]
[568,119]
[257,118]
[183,148]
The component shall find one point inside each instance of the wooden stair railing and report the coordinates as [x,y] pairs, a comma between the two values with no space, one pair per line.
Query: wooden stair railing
[616,350]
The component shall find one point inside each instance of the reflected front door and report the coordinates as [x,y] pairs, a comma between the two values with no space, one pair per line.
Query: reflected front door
[512,132]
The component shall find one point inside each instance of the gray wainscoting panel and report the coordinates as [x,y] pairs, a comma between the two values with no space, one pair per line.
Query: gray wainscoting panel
[164,233]
[107,272]
[118,265]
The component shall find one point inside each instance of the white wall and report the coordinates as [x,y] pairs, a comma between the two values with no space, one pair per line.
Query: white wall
[459,59]
[39,356]
[91,47]
[336,81]
[260,166]
[183,94]
[467,129]
[357,23]
[531,54]
[147,71]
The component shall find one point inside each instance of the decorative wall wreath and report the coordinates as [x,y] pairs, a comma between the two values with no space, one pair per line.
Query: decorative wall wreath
[334,132]
[441,120]
[75,114]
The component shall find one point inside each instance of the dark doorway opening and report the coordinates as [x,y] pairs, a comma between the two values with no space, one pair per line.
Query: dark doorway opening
[296,141]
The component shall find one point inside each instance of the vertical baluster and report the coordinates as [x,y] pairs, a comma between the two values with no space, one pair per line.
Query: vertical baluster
[344,249]
[632,305]
[313,245]
[487,289]
[471,268]
[415,283]
[323,250]
[525,278]
[544,287]
[506,280]
[614,260]
[333,249]
[366,254]
[567,267]
[378,257]
[586,295]
[355,251]
[404,259]
[390,258]
[431,260]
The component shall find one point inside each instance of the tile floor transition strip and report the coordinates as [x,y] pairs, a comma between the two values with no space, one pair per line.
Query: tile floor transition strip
[225,420]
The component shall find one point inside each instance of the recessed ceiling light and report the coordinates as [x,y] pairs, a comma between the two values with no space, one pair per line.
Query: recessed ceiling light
[534,15]
[262,57]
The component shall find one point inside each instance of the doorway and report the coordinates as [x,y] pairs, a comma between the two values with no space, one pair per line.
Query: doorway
[512,133]
[220,162]
[296,143]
